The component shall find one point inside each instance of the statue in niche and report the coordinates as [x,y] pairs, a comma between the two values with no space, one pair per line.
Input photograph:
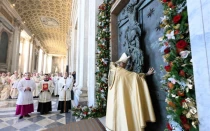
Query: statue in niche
[132,41]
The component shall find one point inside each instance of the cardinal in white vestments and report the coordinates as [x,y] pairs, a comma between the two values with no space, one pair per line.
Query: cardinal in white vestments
[14,83]
[55,81]
[5,91]
[46,90]
[37,80]
[65,86]
[25,97]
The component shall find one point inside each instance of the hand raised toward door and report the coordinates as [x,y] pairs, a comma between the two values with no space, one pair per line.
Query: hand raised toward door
[150,71]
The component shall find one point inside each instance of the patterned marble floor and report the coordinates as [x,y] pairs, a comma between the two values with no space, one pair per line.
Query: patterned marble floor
[37,122]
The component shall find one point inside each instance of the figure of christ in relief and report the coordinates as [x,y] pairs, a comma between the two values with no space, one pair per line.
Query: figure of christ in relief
[132,41]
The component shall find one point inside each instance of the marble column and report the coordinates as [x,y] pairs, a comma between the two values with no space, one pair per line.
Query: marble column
[16,47]
[26,53]
[49,64]
[198,16]
[74,34]
[74,49]
[37,58]
[92,49]
[10,52]
[78,49]
[21,58]
[42,64]
[68,58]
[45,63]
[33,58]
[85,45]
[82,30]
[62,65]
[40,61]
[30,55]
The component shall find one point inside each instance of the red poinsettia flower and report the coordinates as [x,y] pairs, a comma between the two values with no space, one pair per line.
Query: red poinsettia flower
[164,1]
[183,119]
[167,50]
[169,127]
[85,113]
[176,32]
[183,101]
[182,73]
[177,18]
[102,7]
[181,44]
[168,68]
[170,4]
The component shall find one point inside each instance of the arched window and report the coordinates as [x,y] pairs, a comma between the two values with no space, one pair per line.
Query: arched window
[3,47]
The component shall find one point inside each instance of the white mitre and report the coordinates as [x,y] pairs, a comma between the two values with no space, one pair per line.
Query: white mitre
[124,58]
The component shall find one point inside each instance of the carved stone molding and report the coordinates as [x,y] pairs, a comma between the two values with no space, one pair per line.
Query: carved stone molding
[6,24]
[17,23]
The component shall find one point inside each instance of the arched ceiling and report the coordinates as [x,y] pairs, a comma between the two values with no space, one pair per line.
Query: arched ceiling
[48,20]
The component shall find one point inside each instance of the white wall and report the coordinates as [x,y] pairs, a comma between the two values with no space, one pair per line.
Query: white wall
[198,17]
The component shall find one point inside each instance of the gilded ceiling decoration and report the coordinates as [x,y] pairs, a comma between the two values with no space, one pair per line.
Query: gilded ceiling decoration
[48,20]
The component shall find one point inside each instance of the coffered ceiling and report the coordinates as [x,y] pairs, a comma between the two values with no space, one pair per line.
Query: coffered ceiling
[48,20]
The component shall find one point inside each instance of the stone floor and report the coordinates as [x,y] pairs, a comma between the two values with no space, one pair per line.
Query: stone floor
[37,122]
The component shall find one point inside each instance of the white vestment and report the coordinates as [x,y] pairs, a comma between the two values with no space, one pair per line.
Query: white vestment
[5,90]
[37,81]
[25,97]
[55,81]
[14,90]
[65,86]
[45,96]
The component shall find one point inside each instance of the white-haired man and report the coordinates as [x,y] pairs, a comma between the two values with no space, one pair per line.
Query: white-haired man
[15,78]
[37,80]
[6,86]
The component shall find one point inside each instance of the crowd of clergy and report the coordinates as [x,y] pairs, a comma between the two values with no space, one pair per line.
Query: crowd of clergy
[25,87]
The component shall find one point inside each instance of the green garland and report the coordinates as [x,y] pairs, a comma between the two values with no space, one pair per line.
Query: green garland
[178,81]
[102,63]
